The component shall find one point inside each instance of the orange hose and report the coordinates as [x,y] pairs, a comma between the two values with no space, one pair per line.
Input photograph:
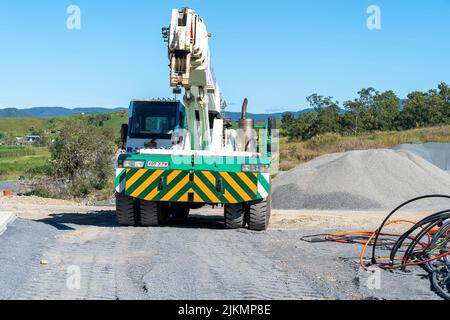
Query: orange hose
[369,241]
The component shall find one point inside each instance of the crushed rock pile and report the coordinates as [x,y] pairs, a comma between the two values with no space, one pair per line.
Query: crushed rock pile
[358,180]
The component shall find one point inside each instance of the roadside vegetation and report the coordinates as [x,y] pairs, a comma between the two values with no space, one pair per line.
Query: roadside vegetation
[81,164]
[74,158]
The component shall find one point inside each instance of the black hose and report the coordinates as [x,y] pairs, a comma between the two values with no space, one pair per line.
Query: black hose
[412,245]
[377,235]
[439,216]
[439,269]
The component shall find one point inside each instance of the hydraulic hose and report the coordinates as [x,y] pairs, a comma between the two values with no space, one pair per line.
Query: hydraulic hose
[425,244]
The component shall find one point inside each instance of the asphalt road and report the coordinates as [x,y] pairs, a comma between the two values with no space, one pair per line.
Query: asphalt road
[87,256]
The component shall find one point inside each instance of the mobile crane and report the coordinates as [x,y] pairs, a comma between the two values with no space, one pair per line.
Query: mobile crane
[182,156]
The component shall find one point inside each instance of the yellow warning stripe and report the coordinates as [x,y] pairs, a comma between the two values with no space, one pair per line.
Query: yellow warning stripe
[229,197]
[210,177]
[184,198]
[235,186]
[152,194]
[134,178]
[173,176]
[175,189]
[252,186]
[205,190]
[155,175]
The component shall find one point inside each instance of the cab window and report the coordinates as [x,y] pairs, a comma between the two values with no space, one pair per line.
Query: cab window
[152,120]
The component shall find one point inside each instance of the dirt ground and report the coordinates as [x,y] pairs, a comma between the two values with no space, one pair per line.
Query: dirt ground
[197,259]
[36,208]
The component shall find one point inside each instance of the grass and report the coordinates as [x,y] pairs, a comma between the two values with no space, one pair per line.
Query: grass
[293,153]
[16,151]
[17,161]
[25,126]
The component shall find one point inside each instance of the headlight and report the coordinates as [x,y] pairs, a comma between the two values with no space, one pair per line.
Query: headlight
[133,164]
[264,168]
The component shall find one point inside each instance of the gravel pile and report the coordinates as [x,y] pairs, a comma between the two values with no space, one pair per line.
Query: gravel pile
[358,180]
[436,153]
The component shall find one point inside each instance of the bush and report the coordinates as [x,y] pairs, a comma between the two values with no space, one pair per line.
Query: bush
[82,162]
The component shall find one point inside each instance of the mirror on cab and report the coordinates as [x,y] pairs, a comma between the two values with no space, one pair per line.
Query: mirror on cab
[124,134]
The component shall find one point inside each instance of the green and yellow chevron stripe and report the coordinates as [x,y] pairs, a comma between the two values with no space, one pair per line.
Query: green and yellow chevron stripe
[194,186]
[120,180]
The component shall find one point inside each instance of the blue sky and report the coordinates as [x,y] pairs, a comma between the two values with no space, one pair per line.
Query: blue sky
[274,52]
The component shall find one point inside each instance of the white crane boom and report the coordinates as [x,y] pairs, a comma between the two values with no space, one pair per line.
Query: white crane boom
[191,69]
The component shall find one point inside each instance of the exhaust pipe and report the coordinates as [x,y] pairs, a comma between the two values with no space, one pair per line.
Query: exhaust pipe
[246,136]
[244,109]
[244,123]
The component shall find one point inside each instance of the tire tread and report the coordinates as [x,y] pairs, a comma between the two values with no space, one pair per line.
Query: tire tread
[150,214]
[125,211]
[259,215]
[234,216]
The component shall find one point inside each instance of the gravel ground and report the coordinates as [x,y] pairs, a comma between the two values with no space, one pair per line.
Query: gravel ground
[21,247]
[359,180]
[34,200]
[195,260]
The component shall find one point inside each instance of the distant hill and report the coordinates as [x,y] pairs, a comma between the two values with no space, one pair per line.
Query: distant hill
[260,117]
[14,113]
[47,112]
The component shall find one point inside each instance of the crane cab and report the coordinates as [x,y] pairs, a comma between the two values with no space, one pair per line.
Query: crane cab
[152,124]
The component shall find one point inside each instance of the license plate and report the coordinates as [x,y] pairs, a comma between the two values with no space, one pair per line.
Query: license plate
[156,164]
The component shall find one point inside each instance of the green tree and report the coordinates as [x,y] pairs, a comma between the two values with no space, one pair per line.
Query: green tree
[425,109]
[372,111]
[386,109]
[305,126]
[444,92]
[360,111]
[327,115]
[287,120]
[83,155]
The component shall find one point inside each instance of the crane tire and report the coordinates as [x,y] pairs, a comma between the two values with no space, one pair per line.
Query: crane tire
[234,216]
[259,215]
[150,214]
[153,214]
[125,210]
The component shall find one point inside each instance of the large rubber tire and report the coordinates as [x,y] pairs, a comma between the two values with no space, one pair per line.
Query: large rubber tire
[441,283]
[125,210]
[153,214]
[259,215]
[234,216]
[180,211]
